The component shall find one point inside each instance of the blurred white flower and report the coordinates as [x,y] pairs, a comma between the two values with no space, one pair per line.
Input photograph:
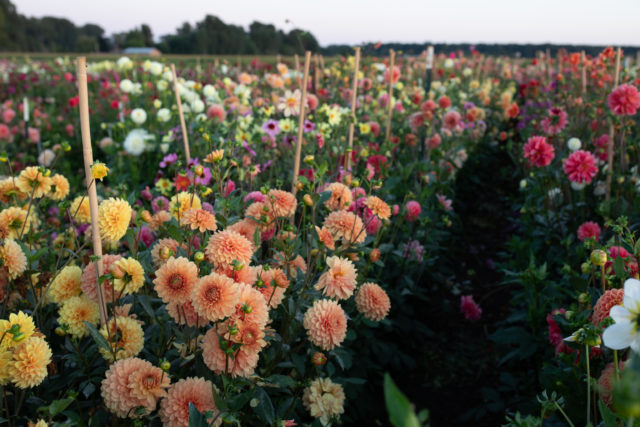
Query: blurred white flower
[156,68]
[574,144]
[139,116]
[164,115]
[197,106]
[624,333]
[135,143]
[126,85]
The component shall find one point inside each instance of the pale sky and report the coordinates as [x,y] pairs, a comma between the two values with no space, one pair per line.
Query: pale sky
[612,22]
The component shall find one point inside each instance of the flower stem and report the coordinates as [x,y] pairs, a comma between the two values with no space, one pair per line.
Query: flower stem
[588,385]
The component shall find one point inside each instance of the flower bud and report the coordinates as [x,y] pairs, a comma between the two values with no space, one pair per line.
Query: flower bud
[598,257]
[314,252]
[199,256]
[165,365]
[585,267]
[247,308]
[299,185]
[198,170]
[319,359]
[60,331]
[308,159]
[374,255]
[146,216]
[583,298]
[308,200]
[164,253]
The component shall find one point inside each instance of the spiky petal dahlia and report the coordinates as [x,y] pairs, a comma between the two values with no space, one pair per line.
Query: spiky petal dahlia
[28,367]
[324,399]
[340,280]
[372,301]
[175,280]
[227,246]
[215,296]
[326,324]
[174,409]
[132,383]
[114,216]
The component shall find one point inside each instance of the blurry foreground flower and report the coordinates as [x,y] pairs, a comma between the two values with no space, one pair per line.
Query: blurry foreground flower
[624,333]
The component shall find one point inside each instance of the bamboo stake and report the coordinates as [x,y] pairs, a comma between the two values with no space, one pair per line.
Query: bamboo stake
[612,132]
[303,104]
[354,97]
[583,59]
[87,153]
[316,73]
[297,69]
[322,64]
[185,137]
[428,70]
[392,59]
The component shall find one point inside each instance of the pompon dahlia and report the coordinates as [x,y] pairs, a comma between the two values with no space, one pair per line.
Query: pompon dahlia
[132,383]
[199,219]
[580,167]
[340,280]
[246,274]
[251,306]
[75,311]
[80,210]
[130,337]
[588,230]
[90,279]
[282,203]
[59,187]
[215,296]
[227,246]
[239,364]
[28,367]
[33,180]
[372,301]
[341,196]
[8,190]
[128,276]
[609,299]
[538,151]
[114,216]
[272,285]
[27,329]
[182,202]
[185,314]
[250,335]
[163,250]
[13,259]
[174,408]
[624,100]
[158,219]
[246,228]
[346,226]
[261,215]
[324,399]
[378,207]
[175,280]
[13,220]
[326,324]
[67,284]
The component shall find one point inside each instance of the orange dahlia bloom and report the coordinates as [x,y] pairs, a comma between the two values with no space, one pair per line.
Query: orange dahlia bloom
[273,286]
[281,203]
[163,250]
[8,190]
[341,196]
[241,364]
[261,215]
[227,246]
[182,202]
[80,210]
[175,280]
[28,367]
[13,259]
[59,187]
[340,281]
[372,301]
[246,274]
[158,219]
[129,276]
[346,226]
[90,279]
[199,219]
[246,228]
[129,335]
[32,180]
[326,237]
[75,311]
[326,324]
[174,409]
[13,220]
[185,314]
[251,306]
[250,335]
[215,297]
[67,283]
[114,216]
[378,207]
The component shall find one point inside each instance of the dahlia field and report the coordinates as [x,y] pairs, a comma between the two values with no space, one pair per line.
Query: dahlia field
[353,240]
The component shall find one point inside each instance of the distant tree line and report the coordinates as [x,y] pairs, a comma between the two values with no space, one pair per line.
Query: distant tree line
[213,36]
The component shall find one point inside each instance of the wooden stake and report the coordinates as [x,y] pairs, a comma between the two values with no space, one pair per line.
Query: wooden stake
[316,73]
[297,60]
[354,97]
[583,60]
[185,136]
[87,152]
[612,132]
[392,59]
[322,64]
[303,104]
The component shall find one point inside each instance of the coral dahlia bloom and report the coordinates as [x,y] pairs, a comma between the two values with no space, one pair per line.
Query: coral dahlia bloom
[341,196]
[174,409]
[372,301]
[413,210]
[624,100]
[273,286]
[470,308]
[247,228]
[538,151]
[215,297]
[588,230]
[32,181]
[227,246]
[163,250]
[28,367]
[580,167]
[133,382]
[605,382]
[555,121]
[185,314]
[340,281]
[66,284]
[175,280]
[90,279]
[326,237]
[324,399]
[261,215]
[199,219]
[13,259]
[610,298]
[59,187]
[281,203]
[451,120]
[75,311]
[182,202]
[242,364]
[130,338]
[378,207]
[251,306]
[346,226]
[326,324]
[114,216]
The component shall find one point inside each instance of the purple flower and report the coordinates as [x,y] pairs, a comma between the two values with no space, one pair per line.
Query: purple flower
[271,128]
[248,148]
[255,196]
[160,203]
[207,207]
[413,250]
[169,159]
[308,126]
[146,194]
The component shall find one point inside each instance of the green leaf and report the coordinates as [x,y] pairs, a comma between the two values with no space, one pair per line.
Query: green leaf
[281,380]
[196,419]
[401,413]
[97,337]
[618,267]
[264,410]
[57,406]
[220,404]
[609,418]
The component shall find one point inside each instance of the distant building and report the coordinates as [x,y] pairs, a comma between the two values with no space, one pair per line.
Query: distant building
[142,51]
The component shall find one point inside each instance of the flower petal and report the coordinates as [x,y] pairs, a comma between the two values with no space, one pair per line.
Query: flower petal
[632,289]
[618,336]
[621,314]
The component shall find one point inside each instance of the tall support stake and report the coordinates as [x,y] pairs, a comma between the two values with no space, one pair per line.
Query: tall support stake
[303,105]
[612,132]
[354,98]
[183,126]
[392,60]
[583,60]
